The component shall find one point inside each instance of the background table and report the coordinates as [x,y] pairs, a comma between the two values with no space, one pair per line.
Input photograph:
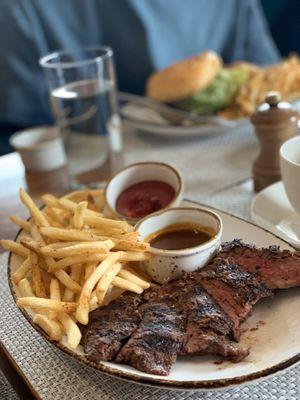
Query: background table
[217,171]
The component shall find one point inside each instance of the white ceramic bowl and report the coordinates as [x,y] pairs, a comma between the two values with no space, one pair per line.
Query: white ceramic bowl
[166,265]
[141,172]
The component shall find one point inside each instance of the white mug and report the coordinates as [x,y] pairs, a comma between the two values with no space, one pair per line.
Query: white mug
[290,170]
[41,148]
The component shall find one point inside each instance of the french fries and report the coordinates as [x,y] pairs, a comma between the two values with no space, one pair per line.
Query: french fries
[71,329]
[78,249]
[21,223]
[34,211]
[127,285]
[283,77]
[125,274]
[78,219]
[38,284]
[25,288]
[74,261]
[15,248]
[22,271]
[52,328]
[84,299]
[106,280]
[47,304]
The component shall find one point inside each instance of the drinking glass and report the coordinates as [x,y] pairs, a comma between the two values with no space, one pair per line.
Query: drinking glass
[83,100]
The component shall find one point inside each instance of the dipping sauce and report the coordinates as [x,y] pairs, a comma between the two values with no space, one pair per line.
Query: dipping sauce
[180,236]
[144,198]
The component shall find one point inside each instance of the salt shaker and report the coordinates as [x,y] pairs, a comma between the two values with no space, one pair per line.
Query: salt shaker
[274,122]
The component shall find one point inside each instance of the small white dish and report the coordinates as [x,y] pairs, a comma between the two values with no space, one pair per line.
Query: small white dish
[165,265]
[141,172]
[272,210]
[41,148]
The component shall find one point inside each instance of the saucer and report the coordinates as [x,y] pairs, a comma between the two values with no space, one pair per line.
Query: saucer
[272,210]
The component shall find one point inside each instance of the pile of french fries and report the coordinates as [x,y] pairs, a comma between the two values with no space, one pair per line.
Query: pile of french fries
[74,260]
[283,77]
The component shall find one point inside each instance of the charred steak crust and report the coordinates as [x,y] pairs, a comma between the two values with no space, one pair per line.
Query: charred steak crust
[234,289]
[246,286]
[109,327]
[275,268]
[154,346]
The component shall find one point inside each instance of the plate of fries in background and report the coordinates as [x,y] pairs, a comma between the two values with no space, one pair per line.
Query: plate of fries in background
[241,98]
[68,260]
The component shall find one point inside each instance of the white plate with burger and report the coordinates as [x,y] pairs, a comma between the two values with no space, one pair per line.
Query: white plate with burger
[200,87]
[208,97]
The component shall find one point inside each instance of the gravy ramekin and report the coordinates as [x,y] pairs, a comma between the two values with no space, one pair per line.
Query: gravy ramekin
[140,172]
[165,265]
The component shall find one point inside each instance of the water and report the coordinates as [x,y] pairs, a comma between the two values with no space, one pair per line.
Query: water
[86,113]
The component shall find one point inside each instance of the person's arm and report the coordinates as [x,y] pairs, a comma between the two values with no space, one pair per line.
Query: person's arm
[21,79]
[250,39]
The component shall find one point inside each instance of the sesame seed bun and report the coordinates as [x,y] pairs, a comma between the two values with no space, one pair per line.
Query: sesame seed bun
[185,78]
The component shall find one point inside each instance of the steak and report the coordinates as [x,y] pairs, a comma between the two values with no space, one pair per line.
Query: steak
[110,326]
[154,346]
[276,269]
[234,289]
[207,325]
[199,313]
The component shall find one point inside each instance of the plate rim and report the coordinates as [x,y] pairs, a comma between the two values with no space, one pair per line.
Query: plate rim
[166,383]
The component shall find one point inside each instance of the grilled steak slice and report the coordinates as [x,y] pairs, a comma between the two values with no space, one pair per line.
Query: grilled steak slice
[276,269]
[110,326]
[153,347]
[207,326]
[234,289]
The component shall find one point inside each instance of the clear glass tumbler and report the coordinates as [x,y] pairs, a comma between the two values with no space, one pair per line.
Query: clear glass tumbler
[84,103]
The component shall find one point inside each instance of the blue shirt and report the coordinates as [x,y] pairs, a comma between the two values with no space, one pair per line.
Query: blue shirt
[145,35]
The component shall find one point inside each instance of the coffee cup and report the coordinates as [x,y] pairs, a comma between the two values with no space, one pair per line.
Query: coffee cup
[290,170]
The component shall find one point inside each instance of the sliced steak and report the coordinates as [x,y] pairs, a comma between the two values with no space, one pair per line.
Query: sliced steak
[276,269]
[207,326]
[110,326]
[153,347]
[234,289]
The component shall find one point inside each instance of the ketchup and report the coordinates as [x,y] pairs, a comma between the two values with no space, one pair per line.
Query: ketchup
[144,198]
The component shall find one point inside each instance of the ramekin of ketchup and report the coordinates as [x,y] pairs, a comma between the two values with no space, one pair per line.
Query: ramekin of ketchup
[143,188]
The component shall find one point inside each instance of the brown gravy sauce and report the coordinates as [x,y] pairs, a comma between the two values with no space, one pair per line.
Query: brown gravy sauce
[180,236]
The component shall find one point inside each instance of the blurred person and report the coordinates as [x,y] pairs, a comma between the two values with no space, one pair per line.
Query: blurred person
[145,35]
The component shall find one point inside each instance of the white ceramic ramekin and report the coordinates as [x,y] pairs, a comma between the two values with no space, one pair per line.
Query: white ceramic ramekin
[41,148]
[165,265]
[141,172]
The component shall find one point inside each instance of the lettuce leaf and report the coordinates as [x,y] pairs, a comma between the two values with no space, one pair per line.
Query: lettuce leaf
[219,94]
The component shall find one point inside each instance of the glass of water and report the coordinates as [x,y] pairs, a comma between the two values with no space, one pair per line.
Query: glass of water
[84,103]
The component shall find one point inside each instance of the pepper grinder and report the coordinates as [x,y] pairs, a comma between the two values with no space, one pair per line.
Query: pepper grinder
[274,122]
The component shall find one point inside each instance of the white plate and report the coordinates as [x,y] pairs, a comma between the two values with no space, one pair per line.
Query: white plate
[272,210]
[274,346]
[144,121]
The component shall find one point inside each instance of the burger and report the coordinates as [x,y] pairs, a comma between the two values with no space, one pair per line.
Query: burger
[200,84]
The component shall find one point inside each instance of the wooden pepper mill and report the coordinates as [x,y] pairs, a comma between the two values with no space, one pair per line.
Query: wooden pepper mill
[274,122]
